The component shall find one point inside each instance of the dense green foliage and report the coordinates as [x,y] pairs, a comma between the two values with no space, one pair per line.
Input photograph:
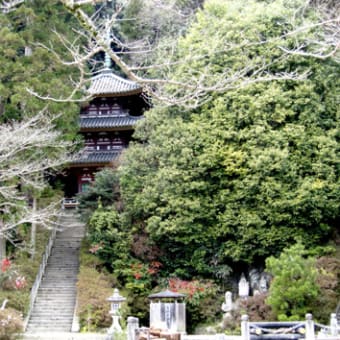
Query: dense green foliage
[224,186]
[94,287]
[294,286]
[239,178]
[212,191]
[25,64]
[22,266]
[104,191]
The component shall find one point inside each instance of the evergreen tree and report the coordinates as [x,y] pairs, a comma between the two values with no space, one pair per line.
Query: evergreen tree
[239,178]
[294,286]
[26,64]
[33,131]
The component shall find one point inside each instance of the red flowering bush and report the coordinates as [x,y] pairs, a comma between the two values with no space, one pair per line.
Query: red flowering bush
[145,271]
[194,290]
[9,277]
[202,305]
[139,276]
[5,265]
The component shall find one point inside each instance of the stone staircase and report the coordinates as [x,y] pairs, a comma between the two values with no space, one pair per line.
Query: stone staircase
[54,306]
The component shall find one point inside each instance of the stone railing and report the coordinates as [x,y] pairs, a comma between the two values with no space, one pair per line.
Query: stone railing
[36,284]
[290,330]
[329,332]
[306,329]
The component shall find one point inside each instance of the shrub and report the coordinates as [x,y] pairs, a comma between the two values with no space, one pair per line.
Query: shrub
[256,308]
[294,287]
[10,324]
[13,286]
[93,290]
[328,280]
[202,305]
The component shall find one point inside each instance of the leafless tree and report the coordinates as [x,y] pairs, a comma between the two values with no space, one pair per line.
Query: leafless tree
[28,149]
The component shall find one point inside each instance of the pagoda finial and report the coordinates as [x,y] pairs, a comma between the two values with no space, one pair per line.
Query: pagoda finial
[107,60]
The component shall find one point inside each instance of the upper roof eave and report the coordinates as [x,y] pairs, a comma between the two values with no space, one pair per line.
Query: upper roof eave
[107,84]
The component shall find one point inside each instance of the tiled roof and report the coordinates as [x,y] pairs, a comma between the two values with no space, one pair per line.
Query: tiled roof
[107,83]
[97,157]
[108,122]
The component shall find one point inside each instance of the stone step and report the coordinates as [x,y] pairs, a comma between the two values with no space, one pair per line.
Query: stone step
[48,318]
[55,287]
[64,336]
[46,322]
[66,310]
[51,312]
[58,288]
[48,300]
[54,306]
[61,275]
[61,268]
[66,272]
[43,311]
[61,281]
[61,297]
[48,329]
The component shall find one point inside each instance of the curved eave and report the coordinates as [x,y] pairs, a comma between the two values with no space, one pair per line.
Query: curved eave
[95,158]
[115,94]
[107,84]
[91,164]
[108,123]
[118,128]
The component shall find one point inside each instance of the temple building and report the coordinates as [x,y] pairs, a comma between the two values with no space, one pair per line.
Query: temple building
[106,123]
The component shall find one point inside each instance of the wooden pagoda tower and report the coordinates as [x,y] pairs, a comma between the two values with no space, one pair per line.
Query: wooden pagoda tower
[106,124]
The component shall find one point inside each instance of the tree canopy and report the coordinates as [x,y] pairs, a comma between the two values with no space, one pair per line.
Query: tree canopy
[25,63]
[241,177]
[35,135]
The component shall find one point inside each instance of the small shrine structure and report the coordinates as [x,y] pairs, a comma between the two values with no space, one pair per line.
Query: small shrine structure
[107,123]
[167,311]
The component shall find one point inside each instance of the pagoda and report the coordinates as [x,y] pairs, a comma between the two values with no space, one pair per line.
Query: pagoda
[107,123]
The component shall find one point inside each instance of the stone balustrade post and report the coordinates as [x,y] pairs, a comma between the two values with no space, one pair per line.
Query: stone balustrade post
[334,325]
[132,326]
[310,333]
[245,331]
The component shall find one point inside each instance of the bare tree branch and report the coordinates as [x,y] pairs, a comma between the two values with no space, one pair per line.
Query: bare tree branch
[7,6]
[193,88]
[139,60]
[27,150]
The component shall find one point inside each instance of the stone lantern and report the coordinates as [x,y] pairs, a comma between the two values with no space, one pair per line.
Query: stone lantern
[116,301]
[167,311]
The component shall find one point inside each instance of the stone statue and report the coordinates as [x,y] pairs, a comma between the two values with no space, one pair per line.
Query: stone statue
[259,281]
[243,287]
[227,305]
[263,283]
